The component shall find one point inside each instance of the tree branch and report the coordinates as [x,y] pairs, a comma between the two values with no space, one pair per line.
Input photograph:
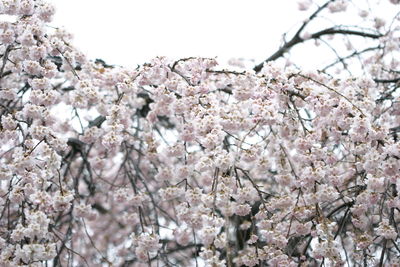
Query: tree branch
[296,39]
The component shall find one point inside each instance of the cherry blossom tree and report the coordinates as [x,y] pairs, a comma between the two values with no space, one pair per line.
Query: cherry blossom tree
[182,162]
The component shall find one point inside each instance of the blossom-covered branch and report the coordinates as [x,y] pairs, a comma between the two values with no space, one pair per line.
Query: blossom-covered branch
[185,163]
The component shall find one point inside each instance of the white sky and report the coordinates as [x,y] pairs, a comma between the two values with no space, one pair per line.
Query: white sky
[128,32]
[132,32]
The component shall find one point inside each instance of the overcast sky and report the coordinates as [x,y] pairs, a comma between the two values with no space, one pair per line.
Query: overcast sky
[131,32]
[128,32]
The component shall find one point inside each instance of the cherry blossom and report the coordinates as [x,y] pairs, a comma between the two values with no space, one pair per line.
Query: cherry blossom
[183,162]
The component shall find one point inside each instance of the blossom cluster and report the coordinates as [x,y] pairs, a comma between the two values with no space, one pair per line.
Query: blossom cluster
[184,162]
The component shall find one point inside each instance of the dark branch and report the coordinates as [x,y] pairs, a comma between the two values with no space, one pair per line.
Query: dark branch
[296,39]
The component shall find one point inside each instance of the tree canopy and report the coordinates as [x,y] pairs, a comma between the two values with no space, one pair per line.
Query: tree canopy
[182,162]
